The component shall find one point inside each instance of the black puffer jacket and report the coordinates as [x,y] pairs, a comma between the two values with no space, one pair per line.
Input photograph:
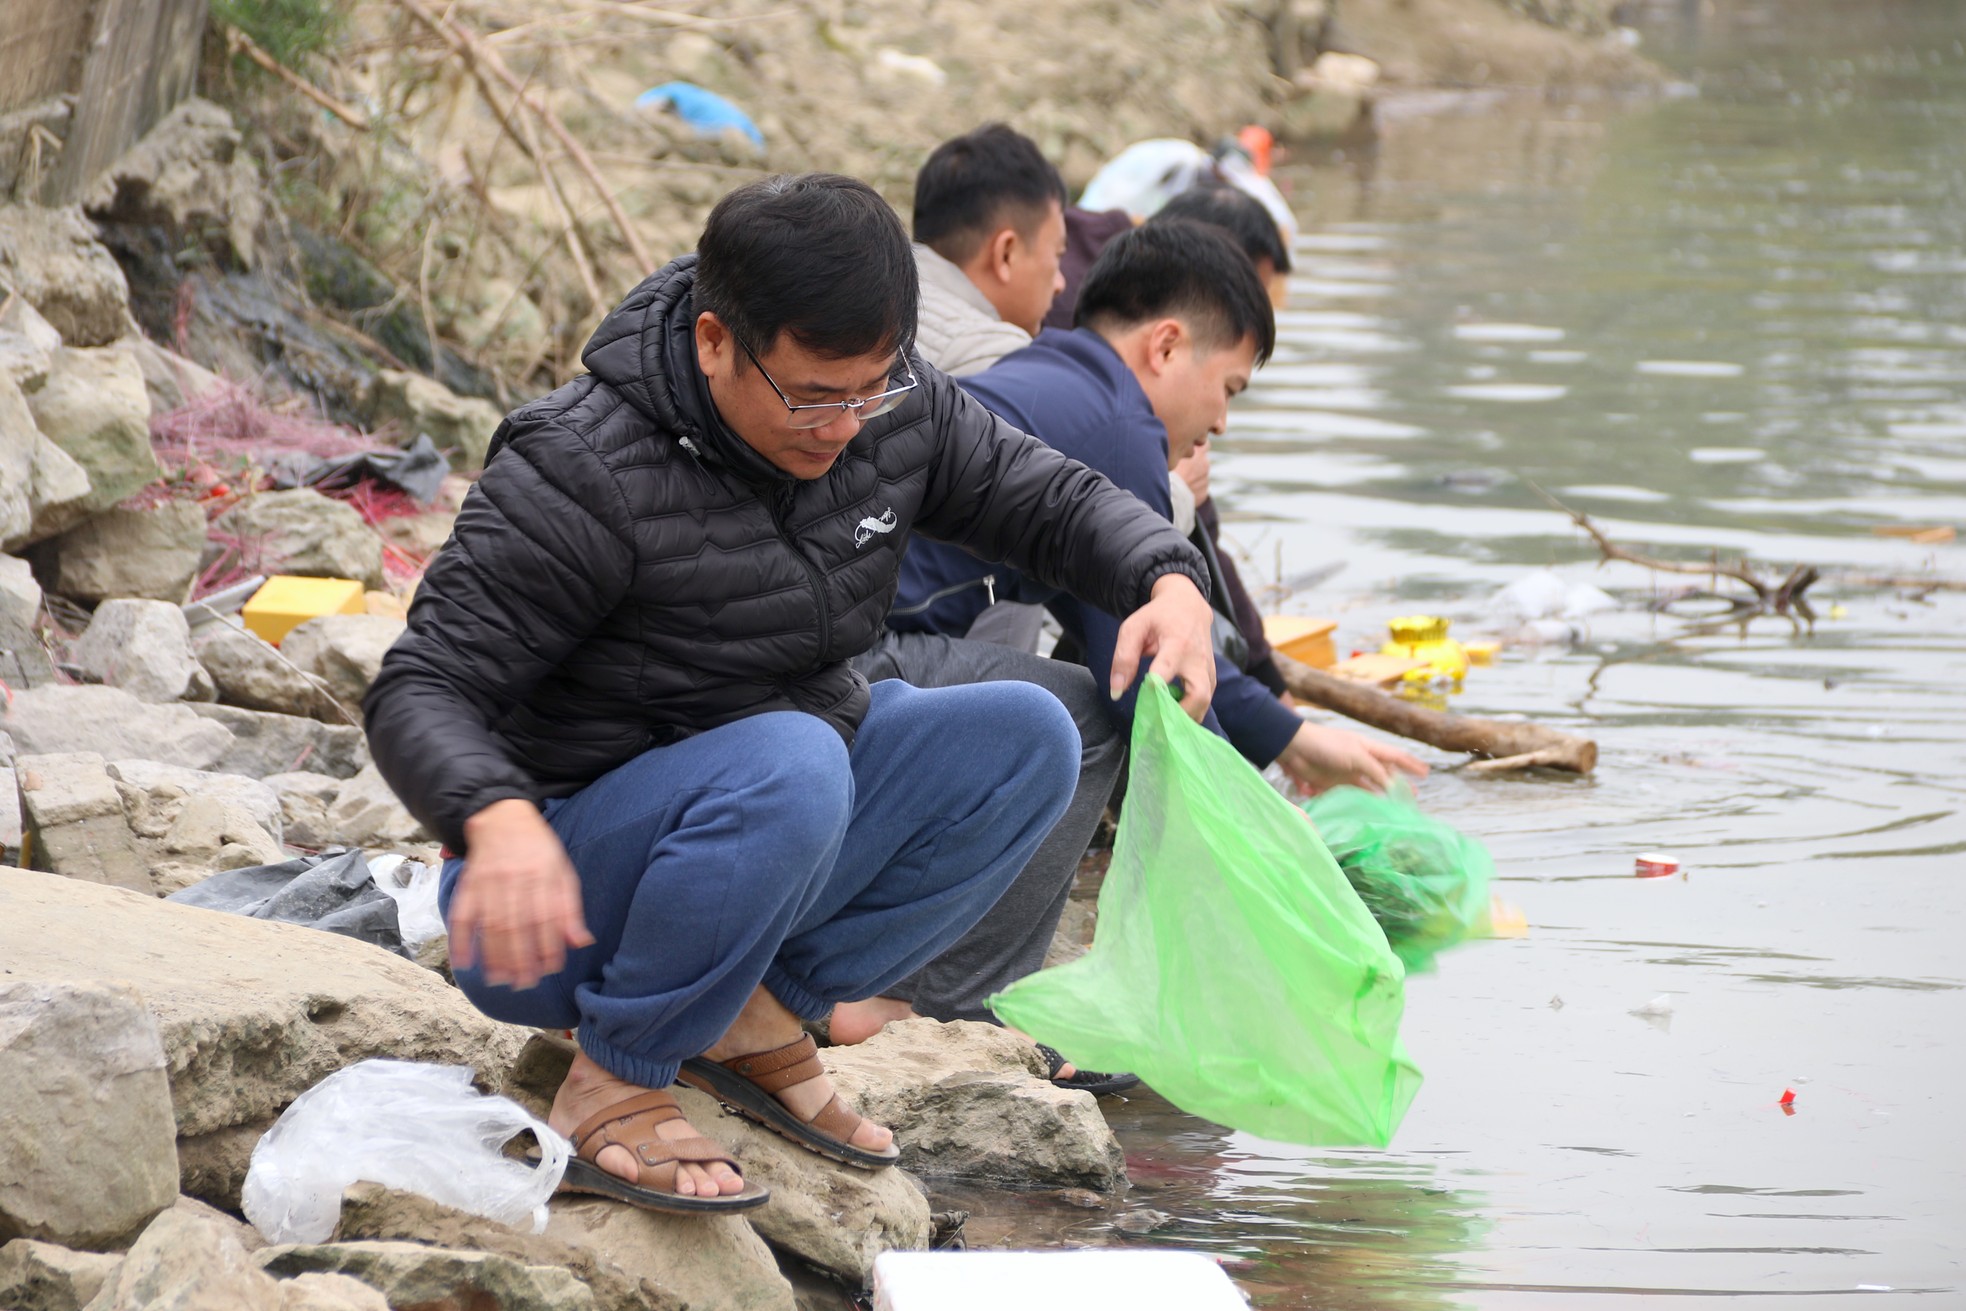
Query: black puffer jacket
[628,571]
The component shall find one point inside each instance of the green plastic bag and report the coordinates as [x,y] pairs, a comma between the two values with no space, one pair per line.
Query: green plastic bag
[1233,967]
[1425,883]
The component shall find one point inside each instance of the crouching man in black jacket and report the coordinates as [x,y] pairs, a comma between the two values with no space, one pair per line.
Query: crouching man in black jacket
[683,823]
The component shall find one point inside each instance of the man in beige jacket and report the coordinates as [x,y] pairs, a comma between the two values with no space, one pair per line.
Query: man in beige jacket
[989,232]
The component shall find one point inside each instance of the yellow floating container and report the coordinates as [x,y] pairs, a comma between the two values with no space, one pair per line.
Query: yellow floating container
[1424,637]
[1308,640]
[288,601]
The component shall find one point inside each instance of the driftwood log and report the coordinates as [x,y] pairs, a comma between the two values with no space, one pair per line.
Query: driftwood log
[1504,746]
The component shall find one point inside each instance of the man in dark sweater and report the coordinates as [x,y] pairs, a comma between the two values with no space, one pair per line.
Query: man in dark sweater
[682,822]
[1160,349]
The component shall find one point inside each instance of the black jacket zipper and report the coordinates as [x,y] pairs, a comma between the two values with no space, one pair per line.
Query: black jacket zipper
[818,578]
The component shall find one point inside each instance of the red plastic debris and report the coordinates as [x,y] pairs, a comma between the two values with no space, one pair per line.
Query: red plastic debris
[1788,1097]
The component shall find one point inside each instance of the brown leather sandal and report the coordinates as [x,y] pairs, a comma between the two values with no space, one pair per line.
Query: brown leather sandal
[748,1084]
[631,1123]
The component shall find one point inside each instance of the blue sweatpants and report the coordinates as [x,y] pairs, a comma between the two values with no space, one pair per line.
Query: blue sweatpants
[767,851]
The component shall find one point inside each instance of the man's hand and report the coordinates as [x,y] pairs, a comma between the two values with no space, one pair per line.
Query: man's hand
[1175,628]
[1318,757]
[517,905]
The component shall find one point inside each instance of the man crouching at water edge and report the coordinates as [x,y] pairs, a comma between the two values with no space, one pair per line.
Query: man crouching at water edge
[685,824]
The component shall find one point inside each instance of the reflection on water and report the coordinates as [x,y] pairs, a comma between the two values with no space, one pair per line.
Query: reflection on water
[1732,320]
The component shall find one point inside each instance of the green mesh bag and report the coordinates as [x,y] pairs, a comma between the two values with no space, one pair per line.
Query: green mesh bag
[1233,967]
[1425,883]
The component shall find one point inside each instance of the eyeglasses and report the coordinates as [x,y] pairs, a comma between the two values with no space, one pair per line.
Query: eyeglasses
[820,414]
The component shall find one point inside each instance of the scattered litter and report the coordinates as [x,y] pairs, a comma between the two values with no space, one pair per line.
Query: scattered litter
[420,1128]
[1424,637]
[1544,595]
[1658,1012]
[335,893]
[412,885]
[1788,1097]
[1923,535]
[1656,865]
[704,110]
[286,601]
[418,471]
[1302,638]
[1556,1003]
[919,67]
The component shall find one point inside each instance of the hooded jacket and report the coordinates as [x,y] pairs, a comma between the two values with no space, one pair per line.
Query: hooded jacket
[628,571]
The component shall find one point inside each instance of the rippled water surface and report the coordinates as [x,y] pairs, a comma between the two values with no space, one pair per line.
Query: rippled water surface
[1730,320]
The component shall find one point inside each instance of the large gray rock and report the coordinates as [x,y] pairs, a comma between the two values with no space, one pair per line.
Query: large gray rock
[265,743]
[459,425]
[162,783]
[303,532]
[706,1261]
[366,813]
[24,661]
[46,1277]
[88,1150]
[144,826]
[143,647]
[375,1213]
[94,406]
[830,1215]
[184,1262]
[344,652]
[28,344]
[967,1101]
[172,380]
[249,672]
[116,726]
[125,552]
[304,801]
[42,490]
[413,1275]
[52,258]
[190,179]
[252,1013]
[72,811]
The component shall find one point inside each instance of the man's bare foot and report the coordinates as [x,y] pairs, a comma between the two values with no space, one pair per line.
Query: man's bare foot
[589,1090]
[764,1025]
[854,1022]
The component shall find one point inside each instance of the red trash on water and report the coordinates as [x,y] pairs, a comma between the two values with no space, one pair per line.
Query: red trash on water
[1788,1097]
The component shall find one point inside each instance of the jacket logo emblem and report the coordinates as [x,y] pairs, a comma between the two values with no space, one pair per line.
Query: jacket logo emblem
[865,531]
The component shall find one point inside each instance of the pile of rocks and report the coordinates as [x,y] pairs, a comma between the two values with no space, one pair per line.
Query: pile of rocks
[146,1046]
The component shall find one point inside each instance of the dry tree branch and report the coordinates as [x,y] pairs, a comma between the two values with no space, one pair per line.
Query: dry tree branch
[521,132]
[240,44]
[482,59]
[1770,598]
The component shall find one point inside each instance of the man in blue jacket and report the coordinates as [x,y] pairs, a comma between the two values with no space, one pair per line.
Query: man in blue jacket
[1173,319]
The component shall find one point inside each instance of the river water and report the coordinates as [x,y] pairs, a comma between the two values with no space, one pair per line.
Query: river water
[1731,318]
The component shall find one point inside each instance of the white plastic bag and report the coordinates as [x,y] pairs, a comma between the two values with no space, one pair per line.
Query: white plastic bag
[420,1128]
[413,887]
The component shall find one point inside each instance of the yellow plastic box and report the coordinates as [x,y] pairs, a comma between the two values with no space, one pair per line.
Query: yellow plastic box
[1300,638]
[288,601]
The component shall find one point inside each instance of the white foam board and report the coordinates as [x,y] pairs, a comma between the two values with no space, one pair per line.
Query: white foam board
[1016,1281]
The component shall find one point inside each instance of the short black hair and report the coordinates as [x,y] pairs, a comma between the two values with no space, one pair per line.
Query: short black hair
[816,255]
[978,183]
[1237,213]
[1181,269]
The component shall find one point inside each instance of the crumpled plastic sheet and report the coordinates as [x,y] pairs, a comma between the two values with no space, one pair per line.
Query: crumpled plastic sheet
[336,892]
[418,1128]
